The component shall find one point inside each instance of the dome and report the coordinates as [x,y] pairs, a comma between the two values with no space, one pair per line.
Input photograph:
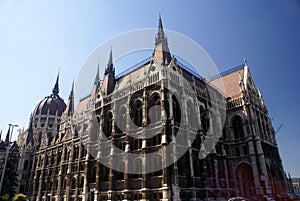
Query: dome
[53,103]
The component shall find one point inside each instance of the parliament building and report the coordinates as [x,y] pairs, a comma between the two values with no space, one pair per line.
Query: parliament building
[150,134]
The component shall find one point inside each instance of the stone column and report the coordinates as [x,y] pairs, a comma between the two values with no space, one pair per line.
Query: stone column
[262,165]
[69,172]
[41,179]
[86,173]
[59,179]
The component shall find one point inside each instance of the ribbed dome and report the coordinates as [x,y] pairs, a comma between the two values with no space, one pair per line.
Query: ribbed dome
[54,104]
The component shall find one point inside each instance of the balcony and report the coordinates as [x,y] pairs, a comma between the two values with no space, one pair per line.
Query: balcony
[235,102]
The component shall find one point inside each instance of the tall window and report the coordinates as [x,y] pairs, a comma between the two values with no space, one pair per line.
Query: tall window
[204,119]
[93,174]
[122,119]
[108,125]
[81,182]
[154,108]
[192,119]
[176,111]
[237,126]
[138,113]
[73,183]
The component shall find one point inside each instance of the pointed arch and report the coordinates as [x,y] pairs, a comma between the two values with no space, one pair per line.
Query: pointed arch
[237,127]
[138,112]
[154,110]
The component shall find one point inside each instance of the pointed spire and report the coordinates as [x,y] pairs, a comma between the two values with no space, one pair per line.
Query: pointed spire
[109,80]
[161,52]
[30,123]
[245,61]
[110,59]
[110,65]
[0,135]
[97,78]
[7,136]
[160,33]
[55,90]
[70,104]
[71,96]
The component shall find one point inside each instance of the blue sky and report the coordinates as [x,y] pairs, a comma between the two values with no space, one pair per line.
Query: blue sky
[36,37]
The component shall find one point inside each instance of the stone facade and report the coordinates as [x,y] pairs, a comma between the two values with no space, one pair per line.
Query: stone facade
[65,158]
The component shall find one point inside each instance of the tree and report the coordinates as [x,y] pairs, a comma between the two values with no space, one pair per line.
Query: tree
[20,197]
[10,177]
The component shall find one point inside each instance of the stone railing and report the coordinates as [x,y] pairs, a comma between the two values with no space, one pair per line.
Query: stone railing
[235,102]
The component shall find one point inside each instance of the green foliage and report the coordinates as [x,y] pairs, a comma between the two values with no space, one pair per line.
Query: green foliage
[4,197]
[10,176]
[20,197]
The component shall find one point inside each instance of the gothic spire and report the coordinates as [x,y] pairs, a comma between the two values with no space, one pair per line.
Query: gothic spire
[55,90]
[110,65]
[70,104]
[71,96]
[161,52]
[109,80]
[160,33]
[97,78]
[7,136]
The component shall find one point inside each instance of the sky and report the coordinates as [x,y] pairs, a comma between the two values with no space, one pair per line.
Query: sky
[38,37]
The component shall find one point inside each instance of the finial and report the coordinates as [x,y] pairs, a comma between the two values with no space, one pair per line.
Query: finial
[55,90]
[72,92]
[97,78]
[160,32]
[110,60]
[245,61]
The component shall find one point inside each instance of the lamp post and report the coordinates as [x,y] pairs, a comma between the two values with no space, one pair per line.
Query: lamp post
[7,153]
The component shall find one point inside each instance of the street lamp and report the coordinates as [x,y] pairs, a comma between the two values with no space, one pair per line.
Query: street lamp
[7,153]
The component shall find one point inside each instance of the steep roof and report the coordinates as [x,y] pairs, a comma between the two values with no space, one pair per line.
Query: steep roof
[231,80]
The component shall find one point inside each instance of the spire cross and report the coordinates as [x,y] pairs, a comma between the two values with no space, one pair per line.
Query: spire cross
[55,90]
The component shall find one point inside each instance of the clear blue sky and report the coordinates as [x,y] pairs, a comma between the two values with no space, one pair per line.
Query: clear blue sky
[36,37]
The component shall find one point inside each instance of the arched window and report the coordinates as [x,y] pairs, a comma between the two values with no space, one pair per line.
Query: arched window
[138,113]
[76,154]
[108,124]
[73,183]
[25,164]
[176,111]
[122,119]
[237,126]
[192,119]
[204,119]
[154,111]
[49,136]
[81,182]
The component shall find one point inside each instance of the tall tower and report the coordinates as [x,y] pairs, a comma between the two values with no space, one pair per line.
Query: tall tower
[109,80]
